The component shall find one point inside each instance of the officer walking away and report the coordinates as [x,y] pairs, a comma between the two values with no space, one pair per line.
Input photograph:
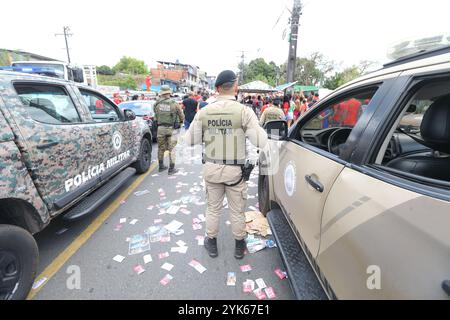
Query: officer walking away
[223,126]
[272,112]
[169,118]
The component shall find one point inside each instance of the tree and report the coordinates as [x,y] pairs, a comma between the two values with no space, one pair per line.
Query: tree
[310,71]
[259,69]
[126,82]
[105,70]
[130,66]
[347,75]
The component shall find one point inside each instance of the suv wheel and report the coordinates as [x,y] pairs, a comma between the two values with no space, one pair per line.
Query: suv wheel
[263,194]
[145,156]
[18,262]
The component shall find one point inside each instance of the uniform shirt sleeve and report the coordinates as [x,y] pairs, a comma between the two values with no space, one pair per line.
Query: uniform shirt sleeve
[255,133]
[194,135]
[180,113]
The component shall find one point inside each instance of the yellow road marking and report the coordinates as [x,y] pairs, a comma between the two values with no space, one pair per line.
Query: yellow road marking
[62,258]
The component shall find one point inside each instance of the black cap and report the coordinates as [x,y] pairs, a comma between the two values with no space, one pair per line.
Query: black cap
[224,77]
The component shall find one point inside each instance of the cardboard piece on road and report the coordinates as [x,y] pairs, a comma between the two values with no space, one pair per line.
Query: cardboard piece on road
[260,282]
[147,258]
[118,258]
[139,243]
[270,293]
[197,266]
[163,255]
[281,274]
[246,268]
[256,223]
[173,226]
[164,281]
[231,279]
[259,293]
[134,221]
[167,266]
[139,269]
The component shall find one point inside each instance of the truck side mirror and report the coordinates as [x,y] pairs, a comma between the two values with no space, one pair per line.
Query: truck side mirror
[277,129]
[129,114]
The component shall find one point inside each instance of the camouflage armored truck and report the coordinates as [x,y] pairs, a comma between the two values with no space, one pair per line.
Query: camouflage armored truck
[64,149]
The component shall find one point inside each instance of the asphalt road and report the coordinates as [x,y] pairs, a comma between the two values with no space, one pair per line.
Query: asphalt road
[103,278]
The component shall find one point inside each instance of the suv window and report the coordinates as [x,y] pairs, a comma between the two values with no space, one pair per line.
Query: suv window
[418,143]
[48,103]
[333,123]
[101,110]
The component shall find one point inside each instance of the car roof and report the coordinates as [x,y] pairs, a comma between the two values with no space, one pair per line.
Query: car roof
[12,75]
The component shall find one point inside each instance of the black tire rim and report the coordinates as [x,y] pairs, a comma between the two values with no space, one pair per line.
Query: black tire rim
[10,274]
[146,153]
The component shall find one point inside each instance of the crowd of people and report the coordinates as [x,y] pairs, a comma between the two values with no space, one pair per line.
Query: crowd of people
[292,105]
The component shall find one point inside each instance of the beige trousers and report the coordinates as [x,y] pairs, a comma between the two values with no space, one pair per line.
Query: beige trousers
[236,197]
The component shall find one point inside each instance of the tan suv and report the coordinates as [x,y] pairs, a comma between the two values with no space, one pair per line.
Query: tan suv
[357,192]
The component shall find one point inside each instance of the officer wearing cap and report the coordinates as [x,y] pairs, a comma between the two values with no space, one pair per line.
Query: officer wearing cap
[168,117]
[223,126]
[272,112]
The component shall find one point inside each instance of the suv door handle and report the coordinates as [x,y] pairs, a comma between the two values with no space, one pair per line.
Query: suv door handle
[101,134]
[314,183]
[47,145]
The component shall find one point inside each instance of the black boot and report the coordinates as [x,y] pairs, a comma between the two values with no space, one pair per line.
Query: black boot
[162,167]
[211,246]
[172,169]
[240,249]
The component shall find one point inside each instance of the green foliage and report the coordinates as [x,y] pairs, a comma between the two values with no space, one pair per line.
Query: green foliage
[259,69]
[130,66]
[124,82]
[105,70]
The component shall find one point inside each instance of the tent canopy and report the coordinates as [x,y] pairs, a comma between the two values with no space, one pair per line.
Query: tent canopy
[286,86]
[306,88]
[257,87]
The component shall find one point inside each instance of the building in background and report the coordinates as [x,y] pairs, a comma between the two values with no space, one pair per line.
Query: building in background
[179,76]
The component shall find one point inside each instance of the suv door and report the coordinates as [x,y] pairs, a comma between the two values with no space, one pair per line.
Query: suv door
[385,232]
[114,138]
[308,166]
[52,139]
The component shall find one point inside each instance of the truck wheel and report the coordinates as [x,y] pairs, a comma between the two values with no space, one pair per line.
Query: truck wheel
[19,258]
[263,194]
[145,156]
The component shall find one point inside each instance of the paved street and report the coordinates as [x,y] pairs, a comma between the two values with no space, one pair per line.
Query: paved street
[104,278]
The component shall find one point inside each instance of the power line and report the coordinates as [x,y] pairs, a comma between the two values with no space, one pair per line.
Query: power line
[66,34]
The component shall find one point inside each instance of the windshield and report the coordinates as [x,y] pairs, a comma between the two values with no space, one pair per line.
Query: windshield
[139,108]
[58,67]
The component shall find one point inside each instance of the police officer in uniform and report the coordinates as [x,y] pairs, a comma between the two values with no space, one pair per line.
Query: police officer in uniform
[223,126]
[169,117]
[272,112]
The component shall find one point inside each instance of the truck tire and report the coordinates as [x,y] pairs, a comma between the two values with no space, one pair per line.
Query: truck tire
[145,156]
[19,257]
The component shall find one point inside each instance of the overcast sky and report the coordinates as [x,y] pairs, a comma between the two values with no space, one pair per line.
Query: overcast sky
[210,33]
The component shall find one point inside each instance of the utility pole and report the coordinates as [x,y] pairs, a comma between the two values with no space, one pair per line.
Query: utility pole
[241,80]
[292,58]
[66,34]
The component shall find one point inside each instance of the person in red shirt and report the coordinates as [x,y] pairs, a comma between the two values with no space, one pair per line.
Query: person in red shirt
[350,112]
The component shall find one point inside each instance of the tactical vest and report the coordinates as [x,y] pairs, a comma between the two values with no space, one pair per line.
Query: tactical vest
[272,114]
[167,113]
[223,133]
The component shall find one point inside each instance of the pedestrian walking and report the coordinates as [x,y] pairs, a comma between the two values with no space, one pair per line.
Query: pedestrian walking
[168,117]
[190,108]
[223,126]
